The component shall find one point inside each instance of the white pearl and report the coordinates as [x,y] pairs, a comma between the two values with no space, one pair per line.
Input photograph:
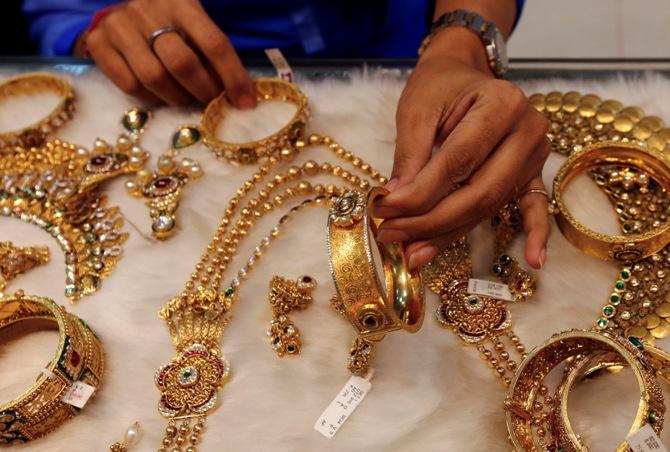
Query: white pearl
[131,185]
[100,145]
[132,435]
[166,163]
[135,160]
[82,152]
[123,142]
[195,172]
[143,176]
[187,162]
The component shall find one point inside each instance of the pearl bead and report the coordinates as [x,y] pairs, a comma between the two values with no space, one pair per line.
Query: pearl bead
[100,145]
[132,435]
[166,163]
[131,185]
[123,142]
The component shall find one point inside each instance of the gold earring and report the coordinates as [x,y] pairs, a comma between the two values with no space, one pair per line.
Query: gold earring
[162,187]
[287,296]
[15,260]
[360,352]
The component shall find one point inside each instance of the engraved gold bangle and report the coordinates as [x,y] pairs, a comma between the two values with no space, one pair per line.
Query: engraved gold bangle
[29,84]
[628,248]
[267,89]
[590,348]
[79,357]
[373,307]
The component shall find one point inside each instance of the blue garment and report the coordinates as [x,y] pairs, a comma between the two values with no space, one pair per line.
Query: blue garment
[326,28]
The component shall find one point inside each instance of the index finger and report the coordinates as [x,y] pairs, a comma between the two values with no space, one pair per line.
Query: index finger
[218,50]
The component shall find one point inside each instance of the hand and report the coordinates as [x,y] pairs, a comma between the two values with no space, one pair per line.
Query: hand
[179,70]
[492,146]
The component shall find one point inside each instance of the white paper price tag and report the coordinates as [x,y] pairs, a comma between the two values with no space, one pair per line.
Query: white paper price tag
[78,394]
[489,289]
[645,440]
[343,405]
[282,67]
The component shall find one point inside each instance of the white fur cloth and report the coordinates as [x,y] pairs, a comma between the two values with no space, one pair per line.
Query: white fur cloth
[430,393]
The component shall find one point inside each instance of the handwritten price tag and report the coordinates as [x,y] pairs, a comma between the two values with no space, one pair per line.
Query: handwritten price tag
[645,440]
[78,394]
[342,406]
[489,289]
[282,67]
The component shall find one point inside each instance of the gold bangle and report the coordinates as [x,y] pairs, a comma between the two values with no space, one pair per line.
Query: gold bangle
[372,309]
[272,145]
[26,84]
[589,347]
[80,357]
[628,248]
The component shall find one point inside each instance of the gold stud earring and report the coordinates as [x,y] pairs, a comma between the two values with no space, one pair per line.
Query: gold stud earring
[15,260]
[286,296]
[162,187]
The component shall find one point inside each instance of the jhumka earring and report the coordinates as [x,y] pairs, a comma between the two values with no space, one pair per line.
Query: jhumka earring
[162,187]
[15,260]
[287,296]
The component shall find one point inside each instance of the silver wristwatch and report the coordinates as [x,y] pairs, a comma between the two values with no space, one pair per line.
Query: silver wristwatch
[493,41]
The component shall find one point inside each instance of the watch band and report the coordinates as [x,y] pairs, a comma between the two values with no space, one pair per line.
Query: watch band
[487,32]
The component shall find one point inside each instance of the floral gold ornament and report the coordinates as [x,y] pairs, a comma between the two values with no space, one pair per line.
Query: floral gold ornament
[537,419]
[267,89]
[33,83]
[15,260]
[162,188]
[79,358]
[286,296]
[623,248]
[479,321]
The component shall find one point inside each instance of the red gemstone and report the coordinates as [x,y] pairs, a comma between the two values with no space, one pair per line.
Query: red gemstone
[75,358]
[99,160]
[162,182]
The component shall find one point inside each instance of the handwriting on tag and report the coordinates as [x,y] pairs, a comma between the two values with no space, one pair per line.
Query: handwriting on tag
[78,394]
[645,440]
[489,289]
[342,406]
[282,67]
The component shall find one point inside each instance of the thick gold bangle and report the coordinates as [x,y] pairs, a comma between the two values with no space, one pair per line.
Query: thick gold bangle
[28,84]
[622,248]
[590,348]
[272,145]
[373,308]
[80,357]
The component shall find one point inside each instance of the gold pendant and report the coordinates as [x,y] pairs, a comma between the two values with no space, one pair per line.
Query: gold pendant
[15,260]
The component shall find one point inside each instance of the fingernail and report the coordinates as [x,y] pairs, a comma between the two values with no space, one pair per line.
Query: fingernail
[247,101]
[542,256]
[422,256]
[392,184]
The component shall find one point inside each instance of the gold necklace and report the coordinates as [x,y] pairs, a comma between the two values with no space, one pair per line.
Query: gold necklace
[196,318]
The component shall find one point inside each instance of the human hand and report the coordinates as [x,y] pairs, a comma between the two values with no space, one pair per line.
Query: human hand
[178,70]
[492,146]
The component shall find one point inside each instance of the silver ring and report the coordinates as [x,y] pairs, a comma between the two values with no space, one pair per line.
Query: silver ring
[169,29]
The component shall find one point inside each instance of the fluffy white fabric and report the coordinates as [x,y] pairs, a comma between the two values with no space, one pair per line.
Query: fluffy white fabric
[430,393]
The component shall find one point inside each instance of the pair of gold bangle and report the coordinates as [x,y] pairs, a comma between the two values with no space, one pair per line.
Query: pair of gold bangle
[591,351]
[79,358]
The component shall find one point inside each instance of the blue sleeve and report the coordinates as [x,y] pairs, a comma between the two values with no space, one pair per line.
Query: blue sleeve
[56,24]
[519,10]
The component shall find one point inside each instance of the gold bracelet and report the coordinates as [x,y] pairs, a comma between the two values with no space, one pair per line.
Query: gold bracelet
[628,248]
[80,357]
[272,145]
[525,421]
[371,309]
[28,84]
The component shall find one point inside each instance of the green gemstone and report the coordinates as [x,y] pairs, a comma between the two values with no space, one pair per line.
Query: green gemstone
[614,298]
[625,274]
[636,342]
[186,374]
[653,417]
[608,311]
[185,136]
[602,323]
[620,285]
[135,119]
[497,269]
[505,259]
[229,292]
